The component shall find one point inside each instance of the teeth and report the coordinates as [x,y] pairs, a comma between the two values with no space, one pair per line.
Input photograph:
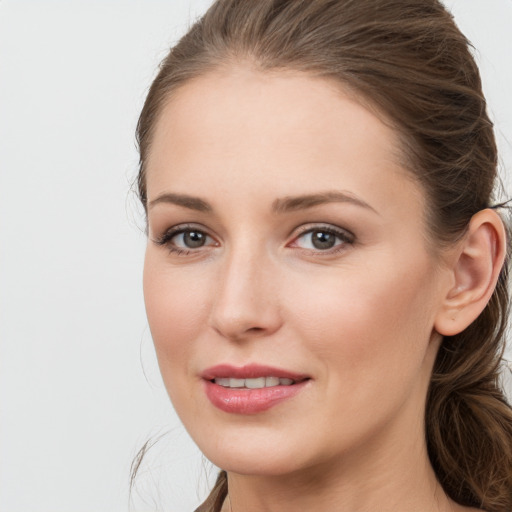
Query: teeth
[255,383]
[271,381]
[236,383]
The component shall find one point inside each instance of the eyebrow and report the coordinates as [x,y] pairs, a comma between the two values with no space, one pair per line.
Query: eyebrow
[282,205]
[190,202]
[288,204]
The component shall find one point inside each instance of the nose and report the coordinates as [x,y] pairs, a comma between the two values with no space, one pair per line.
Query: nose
[246,304]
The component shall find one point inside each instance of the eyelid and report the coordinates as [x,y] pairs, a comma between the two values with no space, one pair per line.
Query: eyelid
[346,236]
[166,237]
[308,228]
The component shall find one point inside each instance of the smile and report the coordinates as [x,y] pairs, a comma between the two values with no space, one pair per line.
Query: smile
[254,383]
[251,389]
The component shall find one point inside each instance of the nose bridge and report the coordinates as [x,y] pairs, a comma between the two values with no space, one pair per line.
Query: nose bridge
[246,303]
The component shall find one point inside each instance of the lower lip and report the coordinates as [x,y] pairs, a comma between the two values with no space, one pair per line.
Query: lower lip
[249,401]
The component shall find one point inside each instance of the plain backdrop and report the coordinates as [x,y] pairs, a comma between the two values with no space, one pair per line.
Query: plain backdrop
[80,390]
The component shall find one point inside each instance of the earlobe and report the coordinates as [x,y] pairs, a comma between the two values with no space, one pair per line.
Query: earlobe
[474,268]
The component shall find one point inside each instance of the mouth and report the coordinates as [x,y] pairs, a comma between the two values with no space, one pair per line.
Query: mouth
[254,383]
[252,388]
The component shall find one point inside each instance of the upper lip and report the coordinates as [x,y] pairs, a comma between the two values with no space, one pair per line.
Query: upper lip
[249,371]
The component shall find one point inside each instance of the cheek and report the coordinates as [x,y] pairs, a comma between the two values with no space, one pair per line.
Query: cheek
[368,324]
[176,307]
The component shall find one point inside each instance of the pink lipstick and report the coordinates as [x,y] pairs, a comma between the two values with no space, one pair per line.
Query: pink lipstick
[250,389]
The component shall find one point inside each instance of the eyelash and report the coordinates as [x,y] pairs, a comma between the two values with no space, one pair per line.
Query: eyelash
[166,238]
[346,238]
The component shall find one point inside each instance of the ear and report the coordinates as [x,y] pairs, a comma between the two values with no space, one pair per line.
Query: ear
[474,268]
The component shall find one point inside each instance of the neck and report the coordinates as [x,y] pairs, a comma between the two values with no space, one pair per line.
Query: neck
[389,474]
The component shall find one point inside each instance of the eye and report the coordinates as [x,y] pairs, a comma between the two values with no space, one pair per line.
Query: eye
[323,238]
[183,240]
[190,239]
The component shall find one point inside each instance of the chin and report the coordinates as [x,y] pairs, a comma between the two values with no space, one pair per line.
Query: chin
[250,452]
[255,465]
[260,452]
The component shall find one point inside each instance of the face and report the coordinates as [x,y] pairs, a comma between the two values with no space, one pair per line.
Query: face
[287,249]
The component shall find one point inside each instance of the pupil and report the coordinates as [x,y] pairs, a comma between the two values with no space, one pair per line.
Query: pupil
[193,239]
[323,240]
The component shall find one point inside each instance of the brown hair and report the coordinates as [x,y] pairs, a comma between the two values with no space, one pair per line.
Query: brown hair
[407,59]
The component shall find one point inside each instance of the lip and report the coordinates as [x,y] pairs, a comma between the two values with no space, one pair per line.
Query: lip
[250,401]
[250,371]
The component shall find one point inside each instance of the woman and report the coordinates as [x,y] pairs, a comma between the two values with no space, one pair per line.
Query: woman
[325,276]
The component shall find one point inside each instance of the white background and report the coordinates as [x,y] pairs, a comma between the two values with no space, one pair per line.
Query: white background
[79,387]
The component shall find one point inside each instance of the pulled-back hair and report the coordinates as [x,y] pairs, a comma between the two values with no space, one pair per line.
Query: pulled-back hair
[407,60]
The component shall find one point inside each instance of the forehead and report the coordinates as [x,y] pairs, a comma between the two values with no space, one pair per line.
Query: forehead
[279,133]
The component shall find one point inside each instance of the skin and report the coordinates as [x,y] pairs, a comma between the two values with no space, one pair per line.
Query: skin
[359,319]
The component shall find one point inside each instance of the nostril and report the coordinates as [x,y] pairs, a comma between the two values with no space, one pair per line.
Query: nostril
[255,329]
